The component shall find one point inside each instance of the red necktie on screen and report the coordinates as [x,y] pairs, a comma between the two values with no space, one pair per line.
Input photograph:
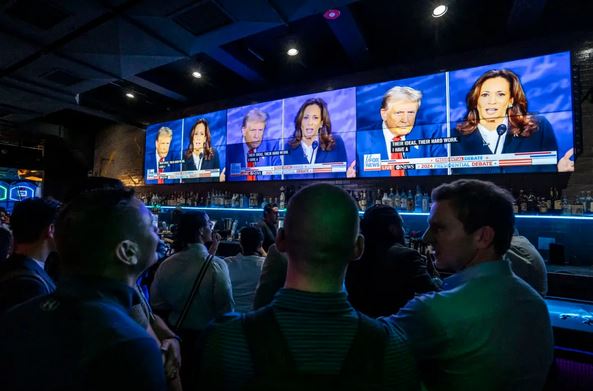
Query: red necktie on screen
[250,164]
[160,170]
[397,155]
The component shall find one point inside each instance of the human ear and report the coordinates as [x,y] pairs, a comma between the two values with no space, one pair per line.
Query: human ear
[484,237]
[358,247]
[281,240]
[128,251]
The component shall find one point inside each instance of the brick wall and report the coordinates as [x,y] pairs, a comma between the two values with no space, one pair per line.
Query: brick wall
[119,153]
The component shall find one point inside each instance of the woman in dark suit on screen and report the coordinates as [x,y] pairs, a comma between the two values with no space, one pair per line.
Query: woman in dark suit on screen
[200,155]
[498,122]
[313,141]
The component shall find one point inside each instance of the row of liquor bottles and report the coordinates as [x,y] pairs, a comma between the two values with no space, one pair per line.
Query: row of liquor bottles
[526,202]
[215,199]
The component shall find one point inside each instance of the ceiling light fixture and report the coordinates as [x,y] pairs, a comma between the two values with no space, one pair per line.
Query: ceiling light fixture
[197,75]
[439,11]
[130,95]
[292,52]
[331,14]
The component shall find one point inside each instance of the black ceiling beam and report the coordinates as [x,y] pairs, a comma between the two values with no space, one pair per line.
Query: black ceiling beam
[59,43]
[231,62]
[66,101]
[346,31]
[524,14]
[134,79]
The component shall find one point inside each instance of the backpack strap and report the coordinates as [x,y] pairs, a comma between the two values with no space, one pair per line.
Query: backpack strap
[193,292]
[366,355]
[268,348]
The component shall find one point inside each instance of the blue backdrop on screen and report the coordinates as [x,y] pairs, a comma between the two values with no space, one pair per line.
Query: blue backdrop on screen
[546,81]
[355,111]
[341,105]
[174,152]
[217,124]
[433,109]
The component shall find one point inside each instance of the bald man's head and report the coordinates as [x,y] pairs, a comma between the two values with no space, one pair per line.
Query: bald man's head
[321,228]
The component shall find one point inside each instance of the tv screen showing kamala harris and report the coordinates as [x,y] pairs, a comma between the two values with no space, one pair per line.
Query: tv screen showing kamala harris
[509,117]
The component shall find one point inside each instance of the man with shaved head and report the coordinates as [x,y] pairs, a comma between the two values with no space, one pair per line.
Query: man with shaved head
[309,336]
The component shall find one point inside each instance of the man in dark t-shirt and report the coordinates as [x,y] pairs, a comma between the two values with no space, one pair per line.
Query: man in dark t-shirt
[81,337]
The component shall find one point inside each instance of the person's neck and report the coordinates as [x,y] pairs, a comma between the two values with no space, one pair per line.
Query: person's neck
[316,284]
[121,275]
[197,152]
[397,132]
[491,125]
[38,251]
[308,141]
[482,257]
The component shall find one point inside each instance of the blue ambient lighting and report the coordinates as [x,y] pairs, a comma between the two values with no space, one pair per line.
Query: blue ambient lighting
[205,209]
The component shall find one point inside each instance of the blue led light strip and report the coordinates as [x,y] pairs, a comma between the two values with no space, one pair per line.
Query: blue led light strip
[205,209]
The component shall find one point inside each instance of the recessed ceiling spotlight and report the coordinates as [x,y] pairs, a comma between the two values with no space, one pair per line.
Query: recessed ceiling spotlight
[130,95]
[439,11]
[292,52]
[196,74]
[331,14]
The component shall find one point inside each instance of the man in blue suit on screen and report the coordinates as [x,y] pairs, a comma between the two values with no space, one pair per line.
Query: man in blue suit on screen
[159,162]
[398,113]
[252,129]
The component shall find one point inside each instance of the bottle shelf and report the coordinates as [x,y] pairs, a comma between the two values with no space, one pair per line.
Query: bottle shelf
[403,213]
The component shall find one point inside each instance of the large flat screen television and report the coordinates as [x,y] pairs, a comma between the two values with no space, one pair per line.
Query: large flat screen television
[510,117]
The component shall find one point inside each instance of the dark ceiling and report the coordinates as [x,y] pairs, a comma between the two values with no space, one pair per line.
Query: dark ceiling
[70,61]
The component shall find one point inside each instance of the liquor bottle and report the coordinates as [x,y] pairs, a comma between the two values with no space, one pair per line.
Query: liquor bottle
[557,202]
[363,201]
[515,206]
[418,199]
[396,199]
[532,206]
[522,202]
[578,208]
[403,201]
[542,206]
[282,204]
[386,200]
[425,202]
[410,201]
[565,204]
[550,200]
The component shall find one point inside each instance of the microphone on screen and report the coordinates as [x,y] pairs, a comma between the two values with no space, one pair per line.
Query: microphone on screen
[315,145]
[500,129]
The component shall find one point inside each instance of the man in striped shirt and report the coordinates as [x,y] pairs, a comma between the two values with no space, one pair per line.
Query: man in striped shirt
[310,320]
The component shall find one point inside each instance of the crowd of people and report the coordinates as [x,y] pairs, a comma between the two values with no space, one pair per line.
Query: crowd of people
[327,302]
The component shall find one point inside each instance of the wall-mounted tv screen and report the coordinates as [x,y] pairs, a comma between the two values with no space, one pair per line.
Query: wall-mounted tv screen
[511,117]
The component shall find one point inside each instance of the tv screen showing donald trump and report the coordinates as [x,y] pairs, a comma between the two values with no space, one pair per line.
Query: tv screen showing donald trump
[509,117]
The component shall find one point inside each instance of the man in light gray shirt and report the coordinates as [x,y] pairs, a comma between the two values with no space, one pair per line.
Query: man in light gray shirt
[245,268]
[528,263]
